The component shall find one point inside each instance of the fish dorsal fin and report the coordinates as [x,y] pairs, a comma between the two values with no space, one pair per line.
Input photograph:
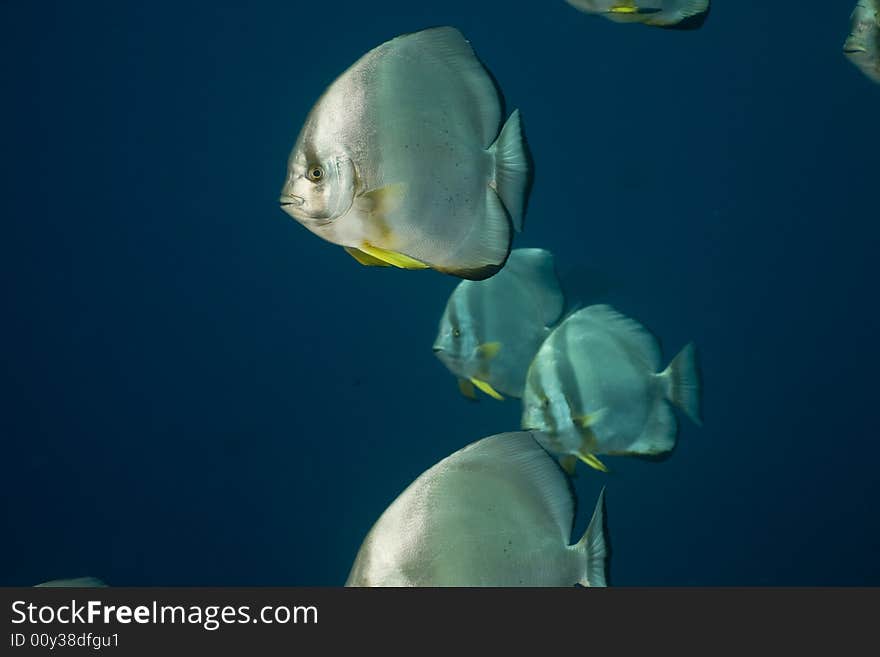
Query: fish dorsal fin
[627,330]
[536,269]
[519,459]
[448,47]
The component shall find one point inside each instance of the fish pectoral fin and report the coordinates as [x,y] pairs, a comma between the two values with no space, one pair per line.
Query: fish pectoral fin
[586,421]
[485,387]
[488,350]
[466,388]
[381,202]
[568,463]
[392,257]
[364,258]
[592,461]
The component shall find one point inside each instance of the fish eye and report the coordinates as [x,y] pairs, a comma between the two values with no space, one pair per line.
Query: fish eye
[545,402]
[456,333]
[315,174]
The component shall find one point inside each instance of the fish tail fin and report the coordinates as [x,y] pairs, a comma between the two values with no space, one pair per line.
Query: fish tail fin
[593,546]
[683,383]
[512,169]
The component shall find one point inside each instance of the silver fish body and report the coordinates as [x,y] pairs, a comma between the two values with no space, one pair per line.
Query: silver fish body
[595,388]
[401,161]
[668,14]
[490,330]
[498,512]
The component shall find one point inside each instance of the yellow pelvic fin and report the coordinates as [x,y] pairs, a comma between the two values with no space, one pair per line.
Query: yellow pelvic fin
[392,258]
[592,461]
[485,387]
[630,7]
[488,350]
[365,259]
[466,388]
[568,463]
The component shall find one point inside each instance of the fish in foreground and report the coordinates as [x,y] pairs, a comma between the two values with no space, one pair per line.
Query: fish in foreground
[76,582]
[862,46]
[498,512]
[595,388]
[669,14]
[490,330]
[402,163]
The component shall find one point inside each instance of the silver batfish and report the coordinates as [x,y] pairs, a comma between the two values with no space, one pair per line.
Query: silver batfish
[498,512]
[490,330]
[402,163]
[862,46]
[669,14]
[595,388]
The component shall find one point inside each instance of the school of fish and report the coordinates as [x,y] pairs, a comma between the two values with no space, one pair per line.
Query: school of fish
[407,160]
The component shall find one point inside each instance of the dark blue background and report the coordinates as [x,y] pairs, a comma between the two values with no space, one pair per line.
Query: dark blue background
[197,391]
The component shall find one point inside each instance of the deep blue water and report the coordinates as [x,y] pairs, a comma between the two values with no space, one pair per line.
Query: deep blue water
[197,391]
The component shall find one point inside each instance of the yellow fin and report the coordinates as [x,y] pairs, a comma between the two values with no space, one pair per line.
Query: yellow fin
[585,421]
[485,387]
[630,7]
[466,388]
[365,259]
[488,350]
[381,202]
[592,461]
[568,463]
[392,258]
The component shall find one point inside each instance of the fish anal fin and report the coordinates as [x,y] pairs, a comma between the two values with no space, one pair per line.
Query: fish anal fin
[466,388]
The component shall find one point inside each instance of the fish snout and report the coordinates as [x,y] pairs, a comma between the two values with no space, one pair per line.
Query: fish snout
[291,199]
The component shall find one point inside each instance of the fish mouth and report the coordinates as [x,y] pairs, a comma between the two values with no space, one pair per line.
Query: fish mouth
[852,50]
[436,350]
[290,199]
[293,205]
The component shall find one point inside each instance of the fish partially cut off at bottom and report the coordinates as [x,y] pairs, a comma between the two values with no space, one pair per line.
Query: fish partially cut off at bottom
[76,582]
[594,547]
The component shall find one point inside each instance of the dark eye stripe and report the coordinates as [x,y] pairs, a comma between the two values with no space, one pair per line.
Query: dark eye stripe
[564,370]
